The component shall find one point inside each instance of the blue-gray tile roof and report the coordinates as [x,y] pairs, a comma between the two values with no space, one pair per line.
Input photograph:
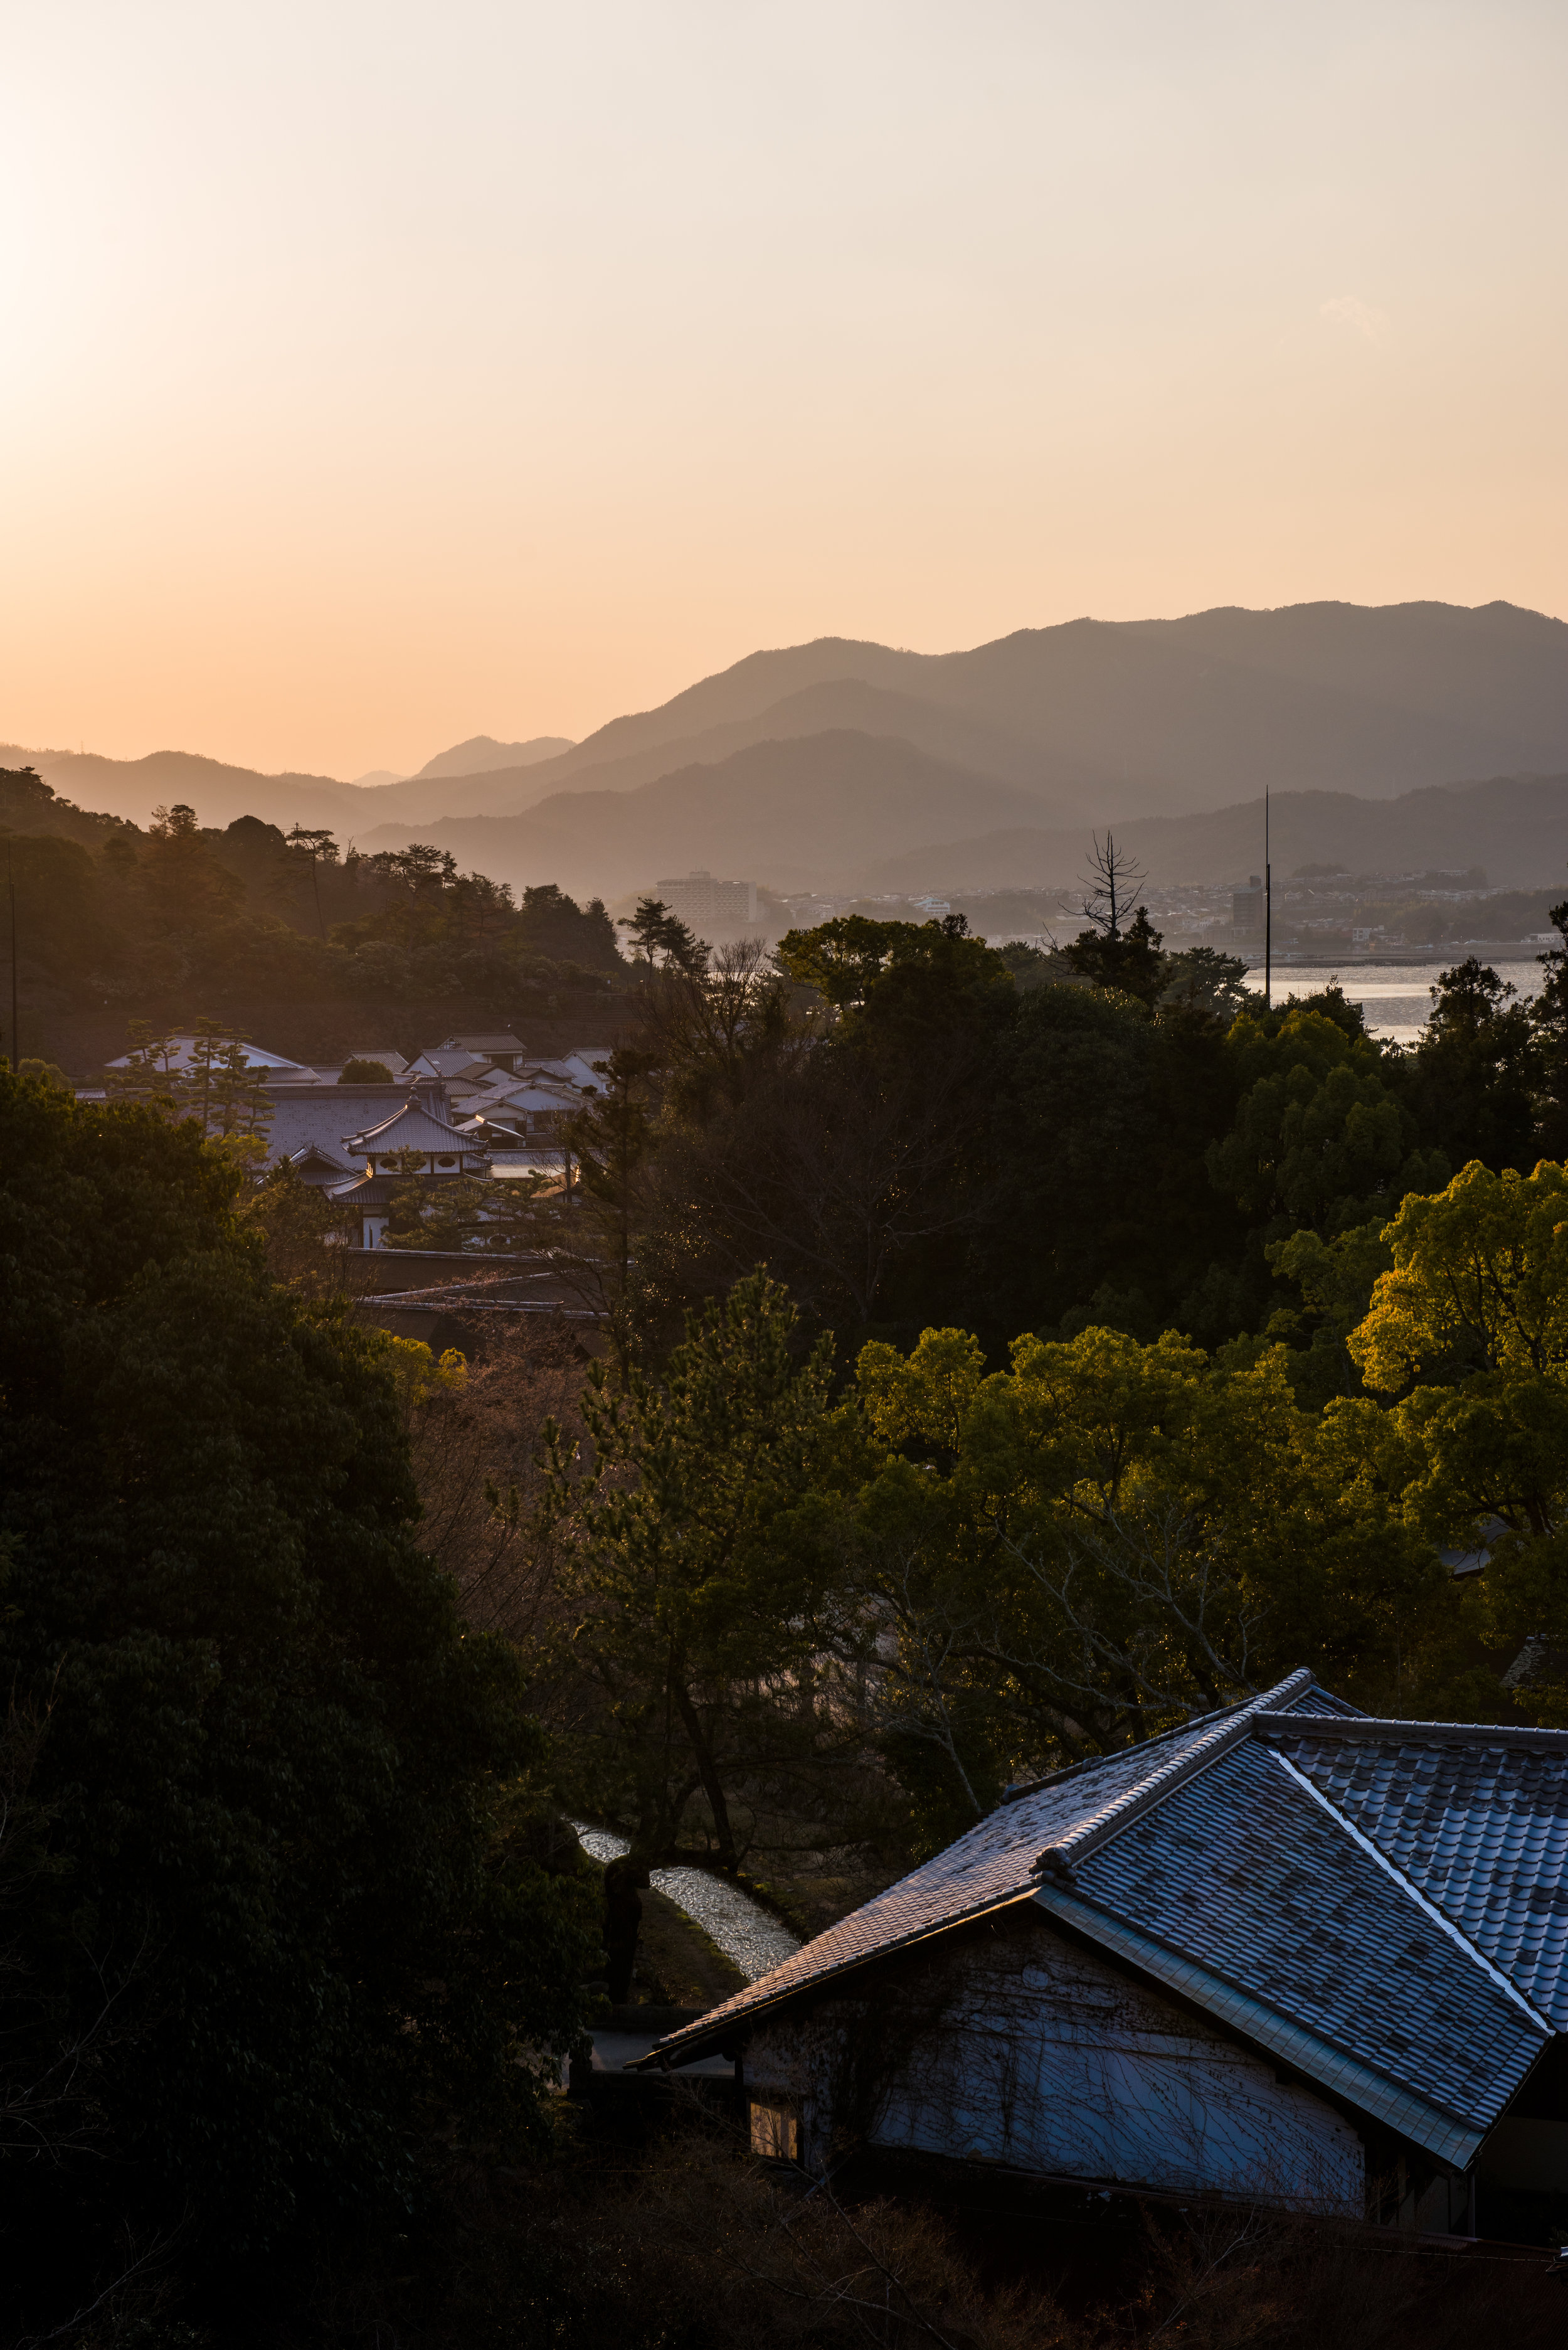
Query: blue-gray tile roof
[1383,1903]
[1479,1826]
[1243,1871]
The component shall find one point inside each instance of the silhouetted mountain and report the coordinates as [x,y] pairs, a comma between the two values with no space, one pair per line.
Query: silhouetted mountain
[1090,722]
[1171,715]
[1514,825]
[795,815]
[219,793]
[955,735]
[481,753]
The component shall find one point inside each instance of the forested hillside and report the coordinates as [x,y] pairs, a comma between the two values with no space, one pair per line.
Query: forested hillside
[272,932]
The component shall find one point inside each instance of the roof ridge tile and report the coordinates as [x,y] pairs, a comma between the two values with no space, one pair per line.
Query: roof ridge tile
[1386,1726]
[1089,1834]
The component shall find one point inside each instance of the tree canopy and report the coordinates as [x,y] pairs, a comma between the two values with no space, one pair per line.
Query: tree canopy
[269,1748]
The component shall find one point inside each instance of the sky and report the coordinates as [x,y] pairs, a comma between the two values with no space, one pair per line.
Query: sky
[378,375]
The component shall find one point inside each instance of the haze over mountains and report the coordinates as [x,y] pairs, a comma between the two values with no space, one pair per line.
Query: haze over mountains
[839,764]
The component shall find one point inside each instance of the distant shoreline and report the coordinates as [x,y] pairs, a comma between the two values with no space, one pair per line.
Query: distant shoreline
[1503,949]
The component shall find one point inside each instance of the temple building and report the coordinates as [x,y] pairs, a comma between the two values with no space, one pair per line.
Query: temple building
[443,1154]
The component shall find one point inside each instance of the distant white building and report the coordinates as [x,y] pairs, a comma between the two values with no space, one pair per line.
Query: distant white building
[708,904]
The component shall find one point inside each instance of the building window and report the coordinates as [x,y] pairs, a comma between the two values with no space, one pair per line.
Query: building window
[446,1162]
[775,2131]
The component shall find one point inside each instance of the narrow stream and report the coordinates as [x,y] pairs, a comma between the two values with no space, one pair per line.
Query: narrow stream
[751,1938]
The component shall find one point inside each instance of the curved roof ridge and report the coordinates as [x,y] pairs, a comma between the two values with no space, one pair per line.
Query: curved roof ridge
[415,1114]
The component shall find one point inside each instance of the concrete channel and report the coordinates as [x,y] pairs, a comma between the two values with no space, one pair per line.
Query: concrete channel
[751,1938]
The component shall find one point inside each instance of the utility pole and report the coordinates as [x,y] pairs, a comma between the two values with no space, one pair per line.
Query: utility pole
[1268,912]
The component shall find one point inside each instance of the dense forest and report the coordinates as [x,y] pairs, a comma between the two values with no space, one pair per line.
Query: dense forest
[145,921]
[997,1359]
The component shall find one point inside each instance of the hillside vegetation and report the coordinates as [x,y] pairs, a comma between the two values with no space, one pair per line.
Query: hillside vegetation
[175,921]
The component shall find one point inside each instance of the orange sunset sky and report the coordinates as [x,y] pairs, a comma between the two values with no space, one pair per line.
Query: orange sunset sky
[378,375]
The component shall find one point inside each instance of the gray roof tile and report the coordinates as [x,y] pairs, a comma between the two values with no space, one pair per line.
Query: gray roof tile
[1480,1828]
[1389,1899]
[1243,1871]
[995,1862]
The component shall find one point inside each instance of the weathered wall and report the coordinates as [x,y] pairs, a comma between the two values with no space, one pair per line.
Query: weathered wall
[1005,2043]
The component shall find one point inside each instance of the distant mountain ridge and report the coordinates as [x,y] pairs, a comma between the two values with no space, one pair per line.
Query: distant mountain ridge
[1169,715]
[220,792]
[481,753]
[795,813]
[816,765]
[1514,825]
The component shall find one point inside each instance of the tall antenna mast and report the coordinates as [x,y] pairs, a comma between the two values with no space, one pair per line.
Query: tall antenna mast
[1268,912]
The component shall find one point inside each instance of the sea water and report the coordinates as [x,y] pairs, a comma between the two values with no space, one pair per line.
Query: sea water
[1396,997]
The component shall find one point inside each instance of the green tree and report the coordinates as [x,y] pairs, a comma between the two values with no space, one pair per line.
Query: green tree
[1322,1136]
[1097,1121]
[693,1601]
[1549,1028]
[841,1143]
[313,847]
[1129,960]
[271,1743]
[1469,1329]
[301,1230]
[213,1083]
[1472,1079]
[1479,1279]
[843,959]
[1104,1539]
[613,1138]
[1336,1279]
[657,934]
[1203,979]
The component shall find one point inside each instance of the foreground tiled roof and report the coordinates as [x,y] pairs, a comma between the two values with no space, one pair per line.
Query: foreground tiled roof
[995,1862]
[1244,1871]
[1384,1905]
[1478,1823]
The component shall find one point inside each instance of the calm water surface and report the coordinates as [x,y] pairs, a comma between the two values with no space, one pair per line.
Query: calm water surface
[1393,996]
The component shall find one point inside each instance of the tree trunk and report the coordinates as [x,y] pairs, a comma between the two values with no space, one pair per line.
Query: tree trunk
[703,1757]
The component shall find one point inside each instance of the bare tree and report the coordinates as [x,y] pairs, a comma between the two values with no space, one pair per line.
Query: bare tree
[1112,884]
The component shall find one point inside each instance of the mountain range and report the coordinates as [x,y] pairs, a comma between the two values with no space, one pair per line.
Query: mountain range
[841,764]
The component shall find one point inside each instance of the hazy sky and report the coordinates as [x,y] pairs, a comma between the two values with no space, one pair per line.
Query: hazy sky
[377,375]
